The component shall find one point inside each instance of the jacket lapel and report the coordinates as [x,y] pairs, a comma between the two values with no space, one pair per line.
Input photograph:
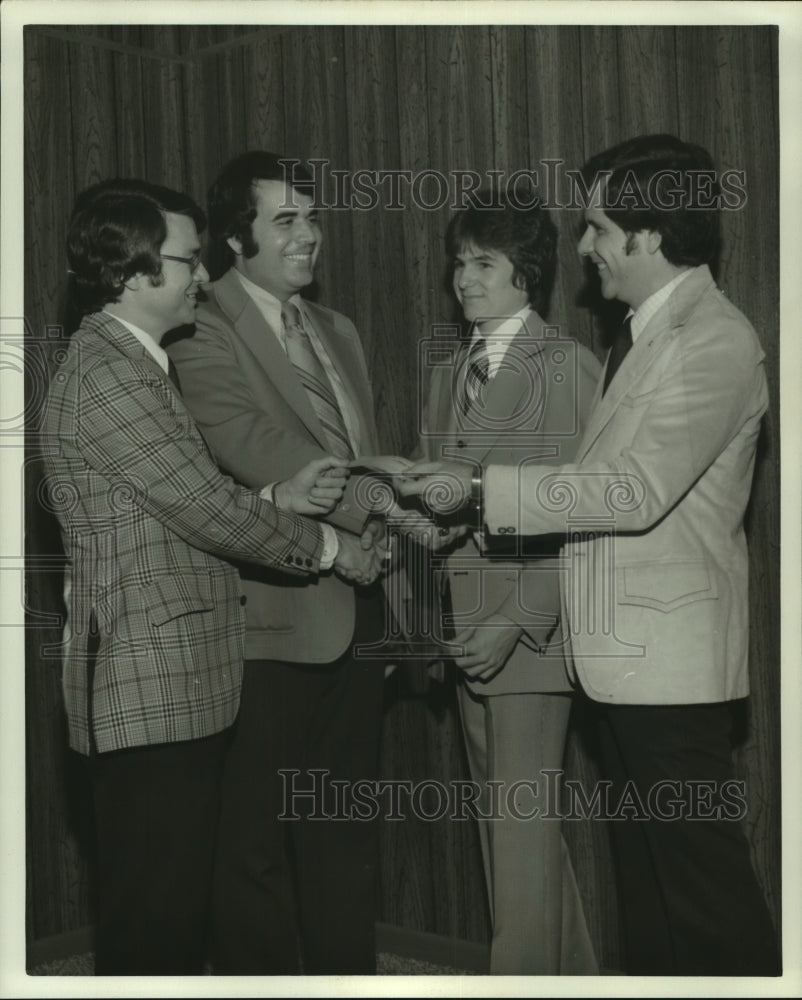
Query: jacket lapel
[646,349]
[263,343]
[119,338]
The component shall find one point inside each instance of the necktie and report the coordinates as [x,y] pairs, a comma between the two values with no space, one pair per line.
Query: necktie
[172,374]
[302,355]
[622,342]
[477,374]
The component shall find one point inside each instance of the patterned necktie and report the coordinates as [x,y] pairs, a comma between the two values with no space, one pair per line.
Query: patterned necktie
[619,350]
[478,373]
[313,376]
[172,374]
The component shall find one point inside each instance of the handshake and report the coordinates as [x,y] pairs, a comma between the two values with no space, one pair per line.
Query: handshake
[318,487]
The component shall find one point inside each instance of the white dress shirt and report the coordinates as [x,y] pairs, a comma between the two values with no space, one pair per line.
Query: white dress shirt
[498,342]
[647,309]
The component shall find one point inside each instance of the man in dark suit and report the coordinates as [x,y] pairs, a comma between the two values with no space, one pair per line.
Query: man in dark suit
[153,643]
[275,380]
[655,590]
[516,388]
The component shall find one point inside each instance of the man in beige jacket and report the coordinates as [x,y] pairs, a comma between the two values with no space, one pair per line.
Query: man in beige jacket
[655,585]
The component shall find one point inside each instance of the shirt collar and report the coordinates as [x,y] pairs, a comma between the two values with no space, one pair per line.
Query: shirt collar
[268,304]
[506,330]
[498,342]
[647,309]
[157,352]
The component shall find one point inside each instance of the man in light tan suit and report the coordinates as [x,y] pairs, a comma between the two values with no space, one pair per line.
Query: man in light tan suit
[273,379]
[655,589]
[514,389]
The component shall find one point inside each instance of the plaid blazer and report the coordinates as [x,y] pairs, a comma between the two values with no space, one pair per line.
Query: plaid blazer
[147,522]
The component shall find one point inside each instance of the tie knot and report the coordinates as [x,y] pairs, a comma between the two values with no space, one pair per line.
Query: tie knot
[291,315]
[478,349]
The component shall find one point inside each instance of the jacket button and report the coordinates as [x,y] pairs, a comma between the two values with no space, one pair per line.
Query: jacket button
[243,599]
[309,562]
[460,444]
[345,507]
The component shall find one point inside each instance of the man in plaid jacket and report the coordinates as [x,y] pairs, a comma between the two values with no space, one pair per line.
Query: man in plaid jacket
[153,645]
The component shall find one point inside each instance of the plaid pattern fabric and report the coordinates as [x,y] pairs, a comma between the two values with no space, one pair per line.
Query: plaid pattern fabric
[313,378]
[148,522]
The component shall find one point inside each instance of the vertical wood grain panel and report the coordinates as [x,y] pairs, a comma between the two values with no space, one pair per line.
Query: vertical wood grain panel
[510,114]
[382,313]
[163,111]
[647,54]
[130,126]
[316,126]
[264,124]
[554,58]
[424,260]
[598,80]
[727,93]
[602,127]
[91,83]
[57,870]
[460,117]
[49,175]
[234,102]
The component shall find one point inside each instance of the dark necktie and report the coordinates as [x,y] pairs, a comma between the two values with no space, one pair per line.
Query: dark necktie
[172,374]
[622,342]
[304,359]
[477,374]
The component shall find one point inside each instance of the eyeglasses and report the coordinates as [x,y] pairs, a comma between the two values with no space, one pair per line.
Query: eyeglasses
[194,261]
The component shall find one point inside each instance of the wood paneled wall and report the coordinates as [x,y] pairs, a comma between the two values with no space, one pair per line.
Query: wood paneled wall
[172,104]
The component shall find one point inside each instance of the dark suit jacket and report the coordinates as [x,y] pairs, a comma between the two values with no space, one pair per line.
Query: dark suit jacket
[261,427]
[147,522]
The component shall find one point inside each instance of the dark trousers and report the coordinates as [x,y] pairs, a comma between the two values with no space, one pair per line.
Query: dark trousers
[299,894]
[156,813]
[690,900]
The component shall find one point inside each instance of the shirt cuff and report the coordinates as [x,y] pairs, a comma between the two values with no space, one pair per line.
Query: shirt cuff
[331,546]
[501,500]
[266,493]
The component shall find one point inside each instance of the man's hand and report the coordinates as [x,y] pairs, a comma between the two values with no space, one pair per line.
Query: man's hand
[423,529]
[315,489]
[375,537]
[444,487]
[486,647]
[356,564]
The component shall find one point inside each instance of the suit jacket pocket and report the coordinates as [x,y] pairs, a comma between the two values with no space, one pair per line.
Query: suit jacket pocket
[169,597]
[635,399]
[666,586]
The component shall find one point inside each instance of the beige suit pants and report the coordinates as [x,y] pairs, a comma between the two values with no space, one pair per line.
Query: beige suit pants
[537,916]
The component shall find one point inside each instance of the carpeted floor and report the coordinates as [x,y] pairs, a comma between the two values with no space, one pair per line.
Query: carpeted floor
[388,965]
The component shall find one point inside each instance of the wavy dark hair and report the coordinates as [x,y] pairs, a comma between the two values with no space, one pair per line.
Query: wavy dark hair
[116,230]
[231,201]
[526,235]
[660,183]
